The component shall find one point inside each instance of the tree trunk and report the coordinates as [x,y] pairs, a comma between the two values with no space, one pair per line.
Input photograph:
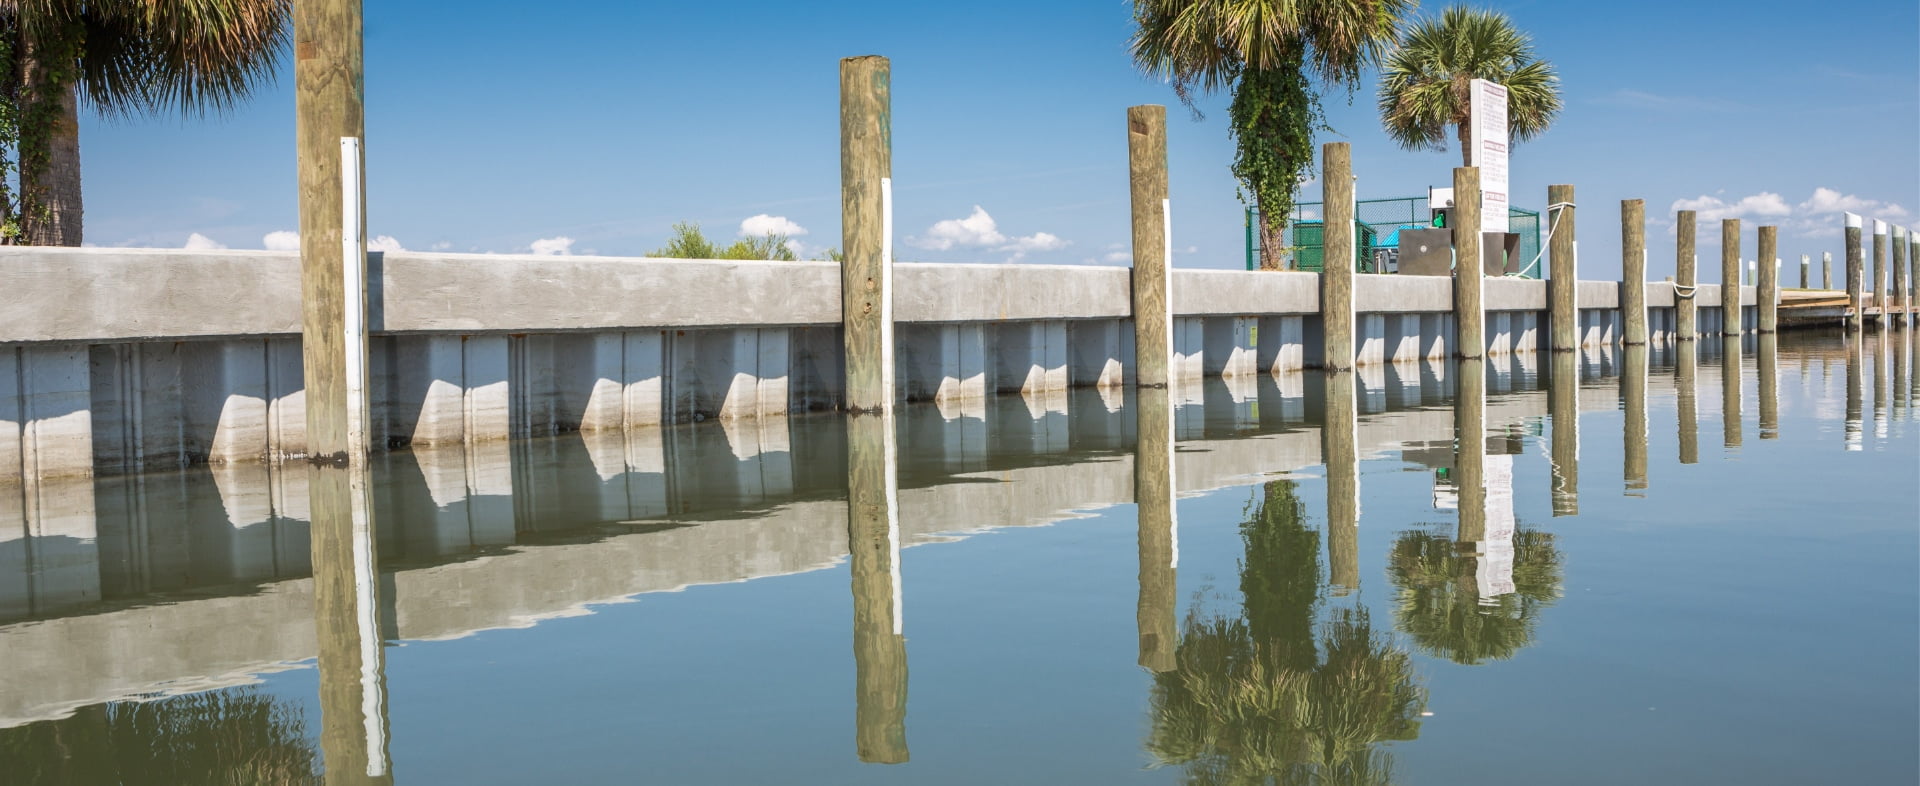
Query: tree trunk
[50,207]
[1272,240]
[1465,127]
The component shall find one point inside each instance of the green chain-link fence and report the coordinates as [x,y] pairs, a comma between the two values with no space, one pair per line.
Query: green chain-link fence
[1377,232]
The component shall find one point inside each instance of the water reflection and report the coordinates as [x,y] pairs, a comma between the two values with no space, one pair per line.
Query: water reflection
[1158,530]
[1269,693]
[1686,374]
[1730,389]
[873,541]
[231,736]
[1563,407]
[1768,358]
[1854,427]
[347,609]
[1633,398]
[1341,457]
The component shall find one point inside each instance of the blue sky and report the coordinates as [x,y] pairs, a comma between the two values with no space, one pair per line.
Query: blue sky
[594,126]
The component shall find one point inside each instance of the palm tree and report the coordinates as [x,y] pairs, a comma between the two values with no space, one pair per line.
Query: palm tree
[1263,51]
[1424,83]
[1266,695]
[120,59]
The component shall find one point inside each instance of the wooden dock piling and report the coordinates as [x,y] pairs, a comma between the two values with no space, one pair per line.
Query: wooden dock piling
[1730,277]
[1897,298]
[328,78]
[1633,270]
[1152,263]
[1826,270]
[1562,307]
[1767,298]
[1856,280]
[1469,313]
[1806,263]
[1877,287]
[866,221]
[1685,278]
[1156,614]
[1336,270]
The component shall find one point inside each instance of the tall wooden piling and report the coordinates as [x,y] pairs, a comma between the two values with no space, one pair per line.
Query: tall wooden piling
[1336,272]
[1469,312]
[1898,298]
[1730,276]
[1826,270]
[1806,263]
[1152,248]
[1877,288]
[866,230]
[1562,307]
[328,83]
[1767,296]
[1856,280]
[1685,262]
[1633,270]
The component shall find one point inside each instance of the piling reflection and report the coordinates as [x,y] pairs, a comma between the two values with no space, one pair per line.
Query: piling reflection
[1158,530]
[347,610]
[237,735]
[1876,343]
[1563,409]
[1730,390]
[1340,454]
[1633,398]
[1855,397]
[873,544]
[1768,360]
[1266,695]
[1686,375]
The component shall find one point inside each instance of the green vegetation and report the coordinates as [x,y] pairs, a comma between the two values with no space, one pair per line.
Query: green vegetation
[234,737]
[1440,607]
[1268,696]
[688,243]
[1424,83]
[120,59]
[1264,52]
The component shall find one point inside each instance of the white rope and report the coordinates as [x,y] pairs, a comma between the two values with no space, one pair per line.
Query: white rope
[1552,225]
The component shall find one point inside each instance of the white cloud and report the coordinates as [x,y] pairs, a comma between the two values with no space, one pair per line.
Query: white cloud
[384,243]
[281,240]
[553,246]
[1817,216]
[442,245]
[763,224]
[977,229]
[1712,208]
[199,242]
[1119,256]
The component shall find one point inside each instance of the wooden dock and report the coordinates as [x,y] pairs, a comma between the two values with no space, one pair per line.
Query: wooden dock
[1816,307]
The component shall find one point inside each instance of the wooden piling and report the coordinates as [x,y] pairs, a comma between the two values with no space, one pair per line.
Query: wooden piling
[1469,312]
[873,545]
[1633,398]
[866,231]
[1806,263]
[1730,277]
[1686,390]
[1730,389]
[1685,262]
[1152,263]
[1562,307]
[1826,270]
[347,612]
[1470,449]
[1336,270]
[1856,281]
[328,79]
[1897,298]
[1877,288]
[1767,296]
[1563,411]
[1633,270]
[1339,446]
[1769,372]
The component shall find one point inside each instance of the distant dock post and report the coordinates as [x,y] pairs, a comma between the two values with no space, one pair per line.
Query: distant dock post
[1767,297]
[1633,270]
[1469,311]
[1685,278]
[1562,307]
[1898,297]
[1855,280]
[1826,270]
[1729,276]
[1877,288]
[866,220]
[1152,249]
[1806,264]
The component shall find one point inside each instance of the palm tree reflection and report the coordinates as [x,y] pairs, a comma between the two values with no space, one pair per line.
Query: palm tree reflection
[235,736]
[1449,609]
[1268,695]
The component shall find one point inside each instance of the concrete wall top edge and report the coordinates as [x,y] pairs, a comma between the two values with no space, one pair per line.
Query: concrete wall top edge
[1402,294]
[1244,292]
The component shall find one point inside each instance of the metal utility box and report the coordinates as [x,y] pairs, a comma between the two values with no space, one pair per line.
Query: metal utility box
[1429,252]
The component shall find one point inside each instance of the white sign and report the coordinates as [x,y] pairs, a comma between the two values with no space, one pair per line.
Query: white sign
[1488,151]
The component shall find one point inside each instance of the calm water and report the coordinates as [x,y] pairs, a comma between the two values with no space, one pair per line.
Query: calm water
[1707,571]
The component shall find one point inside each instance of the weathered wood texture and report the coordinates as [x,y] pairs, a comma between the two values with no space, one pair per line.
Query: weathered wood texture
[1730,276]
[328,104]
[866,277]
[1633,270]
[1469,311]
[1685,278]
[1564,325]
[873,545]
[1152,273]
[1156,614]
[1686,372]
[1563,410]
[1856,280]
[1633,399]
[1768,295]
[1336,271]
[1877,286]
[1340,455]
